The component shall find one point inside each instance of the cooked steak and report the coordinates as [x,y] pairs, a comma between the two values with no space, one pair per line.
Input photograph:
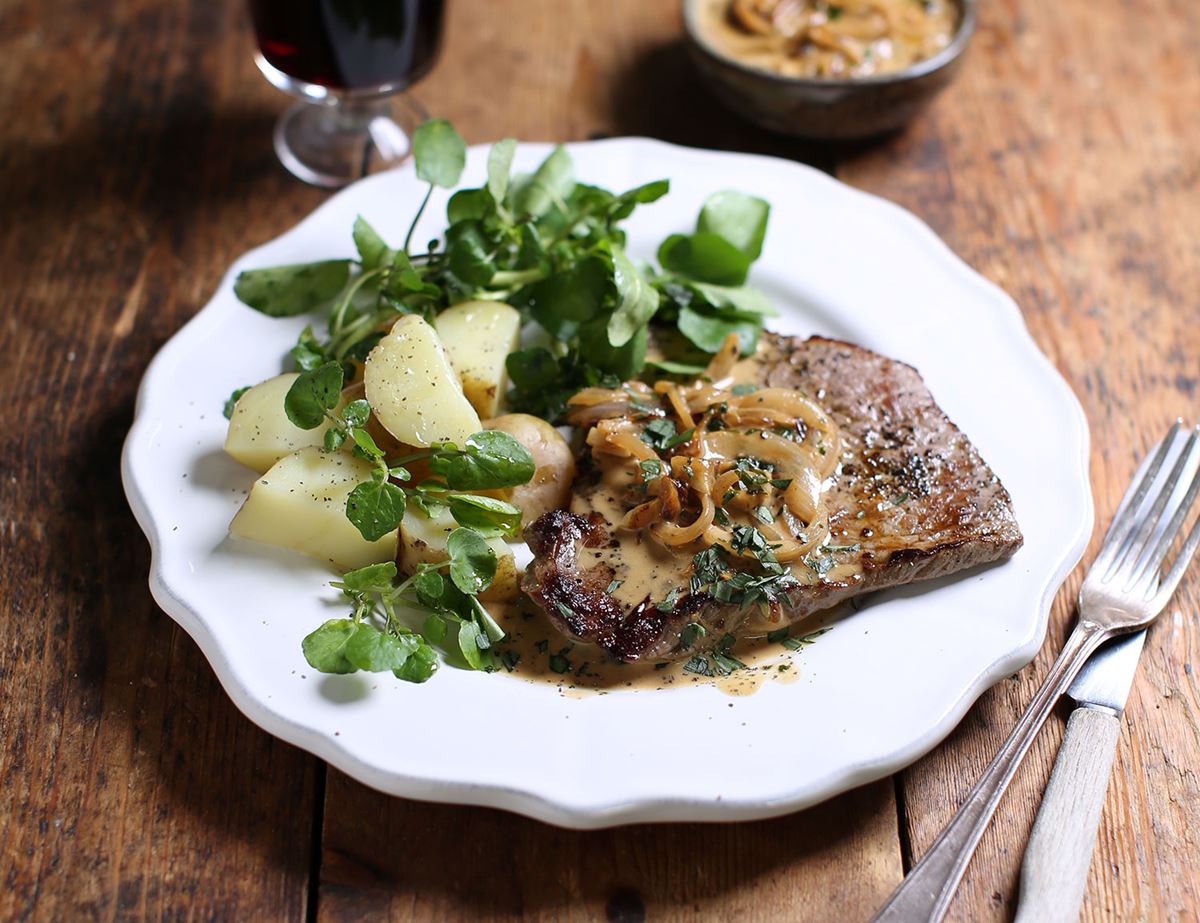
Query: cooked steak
[910,500]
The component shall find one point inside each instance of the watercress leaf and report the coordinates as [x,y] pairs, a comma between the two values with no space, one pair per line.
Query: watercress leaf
[485,514]
[426,504]
[550,185]
[638,300]
[708,331]
[365,443]
[677,368]
[439,153]
[472,562]
[531,369]
[454,603]
[738,218]
[356,413]
[531,252]
[232,400]
[485,621]
[474,646]
[469,205]
[308,353]
[499,166]
[468,254]
[333,439]
[705,257]
[622,206]
[404,280]
[285,291]
[647,192]
[312,393]
[421,664]
[625,361]
[429,587]
[488,460]
[376,577]
[378,651]
[373,251]
[325,648]
[434,628]
[741,300]
[375,508]
[566,299]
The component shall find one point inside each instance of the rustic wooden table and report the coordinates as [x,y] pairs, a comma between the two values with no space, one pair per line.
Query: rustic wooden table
[135,164]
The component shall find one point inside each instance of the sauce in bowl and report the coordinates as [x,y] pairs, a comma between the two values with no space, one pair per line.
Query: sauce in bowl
[833,39]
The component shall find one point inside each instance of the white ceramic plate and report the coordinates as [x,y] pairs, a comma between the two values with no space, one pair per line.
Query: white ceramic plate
[875,693]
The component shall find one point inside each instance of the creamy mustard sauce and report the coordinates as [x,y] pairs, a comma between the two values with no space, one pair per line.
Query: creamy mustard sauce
[535,651]
[828,38]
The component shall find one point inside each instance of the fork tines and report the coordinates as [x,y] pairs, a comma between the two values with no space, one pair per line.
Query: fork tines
[1152,515]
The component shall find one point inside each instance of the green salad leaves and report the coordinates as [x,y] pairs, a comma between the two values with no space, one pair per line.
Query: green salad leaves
[552,247]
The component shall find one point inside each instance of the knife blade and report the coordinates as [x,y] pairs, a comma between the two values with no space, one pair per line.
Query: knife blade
[1107,677]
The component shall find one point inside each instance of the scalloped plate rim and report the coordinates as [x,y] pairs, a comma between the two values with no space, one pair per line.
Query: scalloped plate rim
[591,815]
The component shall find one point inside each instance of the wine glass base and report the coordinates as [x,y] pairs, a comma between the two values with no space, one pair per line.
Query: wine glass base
[331,144]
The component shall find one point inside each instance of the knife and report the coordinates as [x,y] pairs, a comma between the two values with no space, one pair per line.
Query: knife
[1055,869]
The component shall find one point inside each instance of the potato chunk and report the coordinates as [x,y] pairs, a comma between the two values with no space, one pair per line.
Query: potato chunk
[412,387]
[300,503]
[554,465]
[423,540]
[259,431]
[478,336]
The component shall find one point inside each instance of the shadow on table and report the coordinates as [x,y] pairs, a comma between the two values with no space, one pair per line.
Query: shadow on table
[121,176]
[151,735]
[471,863]
[662,95]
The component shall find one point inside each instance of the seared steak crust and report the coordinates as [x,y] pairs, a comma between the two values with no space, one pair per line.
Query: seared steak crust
[911,500]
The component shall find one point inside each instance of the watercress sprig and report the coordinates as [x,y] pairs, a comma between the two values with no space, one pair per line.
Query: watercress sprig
[554,248]
[488,460]
[375,639]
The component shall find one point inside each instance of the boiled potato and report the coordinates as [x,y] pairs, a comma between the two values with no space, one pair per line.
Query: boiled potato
[300,503]
[550,486]
[259,431]
[413,389]
[423,540]
[478,336]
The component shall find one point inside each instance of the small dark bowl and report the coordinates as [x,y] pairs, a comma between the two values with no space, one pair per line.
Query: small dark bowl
[823,108]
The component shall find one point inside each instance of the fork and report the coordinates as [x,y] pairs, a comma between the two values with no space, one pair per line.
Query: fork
[1124,590]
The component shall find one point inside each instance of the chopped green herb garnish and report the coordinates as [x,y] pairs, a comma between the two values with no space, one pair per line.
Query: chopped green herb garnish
[658,432]
[795,644]
[692,632]
[680,438]
[650,468]
[698,664]
[668,604]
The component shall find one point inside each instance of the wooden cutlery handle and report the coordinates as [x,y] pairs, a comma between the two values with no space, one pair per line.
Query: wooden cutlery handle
[1055,869]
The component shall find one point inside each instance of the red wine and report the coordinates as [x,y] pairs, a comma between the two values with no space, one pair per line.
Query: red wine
[349,44]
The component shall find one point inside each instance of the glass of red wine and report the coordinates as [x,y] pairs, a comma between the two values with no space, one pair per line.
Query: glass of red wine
[345,60]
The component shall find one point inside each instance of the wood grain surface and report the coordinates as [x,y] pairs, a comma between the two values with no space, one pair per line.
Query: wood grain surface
[135,165]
